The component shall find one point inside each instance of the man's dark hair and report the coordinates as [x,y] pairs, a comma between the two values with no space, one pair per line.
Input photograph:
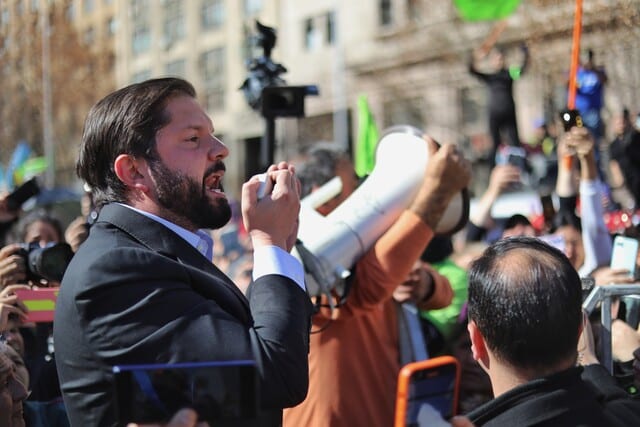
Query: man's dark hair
[515,220]
[124,122]
[438,249]
[33,217]
[525,298]
[319,167]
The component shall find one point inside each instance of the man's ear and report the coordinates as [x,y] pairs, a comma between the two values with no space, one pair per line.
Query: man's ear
[478,345]
[132,172]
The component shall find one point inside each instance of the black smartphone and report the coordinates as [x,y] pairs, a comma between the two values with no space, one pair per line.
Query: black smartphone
[427,392]
[222,393]
[23,193]
[548,209]
[570,118]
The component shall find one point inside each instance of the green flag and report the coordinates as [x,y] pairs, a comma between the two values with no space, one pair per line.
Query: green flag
[30,168]
[365,157]
[485,10]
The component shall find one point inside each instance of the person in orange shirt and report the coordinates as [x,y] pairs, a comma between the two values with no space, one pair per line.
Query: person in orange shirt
[354,356]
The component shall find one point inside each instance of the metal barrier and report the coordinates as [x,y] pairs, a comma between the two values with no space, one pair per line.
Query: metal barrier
[605,294]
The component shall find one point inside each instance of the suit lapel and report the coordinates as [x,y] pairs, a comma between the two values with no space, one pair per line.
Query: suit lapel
[160,239]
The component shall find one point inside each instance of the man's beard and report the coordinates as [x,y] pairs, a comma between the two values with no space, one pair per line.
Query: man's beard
[184,201]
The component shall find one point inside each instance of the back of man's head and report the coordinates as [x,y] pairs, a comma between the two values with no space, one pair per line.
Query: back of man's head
[319,167]
[525,298]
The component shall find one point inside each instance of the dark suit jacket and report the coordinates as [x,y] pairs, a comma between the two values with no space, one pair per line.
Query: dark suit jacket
[138,293]
[587,397]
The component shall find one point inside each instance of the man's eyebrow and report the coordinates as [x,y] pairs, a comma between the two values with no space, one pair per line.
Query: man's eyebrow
[197,126]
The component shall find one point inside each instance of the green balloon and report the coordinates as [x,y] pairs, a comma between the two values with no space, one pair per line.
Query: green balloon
[485,10]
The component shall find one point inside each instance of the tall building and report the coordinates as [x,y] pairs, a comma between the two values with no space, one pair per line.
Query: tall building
[408,56]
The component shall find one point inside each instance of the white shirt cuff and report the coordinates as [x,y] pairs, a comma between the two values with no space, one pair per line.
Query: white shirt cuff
[275,260]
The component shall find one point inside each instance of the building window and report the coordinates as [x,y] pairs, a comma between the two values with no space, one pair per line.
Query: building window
[386,16]
[212,73]
[318,29]
[141,37]
[35,4]
[252,7]
[312,35]
[70,13]
[141,40]
[19,8]
[4,16]
[89,36]
[212,13]
[141,76]
[173,21]
[415,10]
[112,26]
[88,6]
[331,27]
[176,68]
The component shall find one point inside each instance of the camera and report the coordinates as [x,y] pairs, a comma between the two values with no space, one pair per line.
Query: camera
[570,118]
[48,262]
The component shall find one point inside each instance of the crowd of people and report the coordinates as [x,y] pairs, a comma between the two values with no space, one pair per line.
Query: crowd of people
[167,269]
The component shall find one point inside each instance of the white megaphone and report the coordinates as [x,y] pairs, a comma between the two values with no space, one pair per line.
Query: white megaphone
[331,245]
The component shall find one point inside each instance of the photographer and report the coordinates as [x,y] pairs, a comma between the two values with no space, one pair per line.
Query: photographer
[35,232]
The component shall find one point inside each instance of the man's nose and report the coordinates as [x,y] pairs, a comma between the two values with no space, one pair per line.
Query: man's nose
[218,149]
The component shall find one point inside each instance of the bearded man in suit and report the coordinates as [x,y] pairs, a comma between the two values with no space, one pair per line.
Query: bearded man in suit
[142,287]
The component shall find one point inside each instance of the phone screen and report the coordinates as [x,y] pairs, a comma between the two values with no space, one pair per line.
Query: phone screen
[222,393]
[433,382]
[548,210]
[625,253]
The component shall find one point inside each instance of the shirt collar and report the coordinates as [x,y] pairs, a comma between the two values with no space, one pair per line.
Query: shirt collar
[201,240]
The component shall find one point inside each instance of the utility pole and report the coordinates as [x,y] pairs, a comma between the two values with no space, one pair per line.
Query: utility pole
[47,126]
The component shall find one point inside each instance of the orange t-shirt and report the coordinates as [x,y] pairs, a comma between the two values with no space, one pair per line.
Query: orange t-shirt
[354,361]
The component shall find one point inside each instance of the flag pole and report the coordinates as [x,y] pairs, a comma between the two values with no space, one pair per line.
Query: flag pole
[575,55]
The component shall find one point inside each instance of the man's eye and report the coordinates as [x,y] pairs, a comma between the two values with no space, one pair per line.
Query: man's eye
[194,138]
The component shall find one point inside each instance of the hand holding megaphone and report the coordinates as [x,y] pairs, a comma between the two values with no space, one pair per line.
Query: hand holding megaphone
[447,174]
[270,207]
[411,172]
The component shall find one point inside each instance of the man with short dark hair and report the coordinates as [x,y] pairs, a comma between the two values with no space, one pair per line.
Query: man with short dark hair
[525,319]
[142,287]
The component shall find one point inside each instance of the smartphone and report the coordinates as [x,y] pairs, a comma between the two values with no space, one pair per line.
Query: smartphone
[41,303]
[433,382]
[570,118]
[624,254]
[548,209]
[23,193]
[222,393]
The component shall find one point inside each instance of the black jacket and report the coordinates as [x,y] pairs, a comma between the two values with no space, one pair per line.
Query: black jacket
[137,293]
[575,397]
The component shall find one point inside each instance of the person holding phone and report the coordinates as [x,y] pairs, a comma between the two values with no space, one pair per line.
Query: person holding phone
[143,289]
[530,350]
[586,238]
